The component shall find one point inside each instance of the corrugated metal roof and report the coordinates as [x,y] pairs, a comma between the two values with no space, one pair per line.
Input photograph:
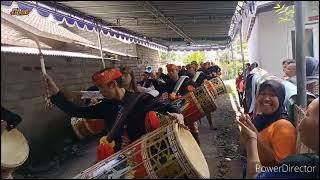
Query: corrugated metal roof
[35,51]
[46,28]
[12,37]
[198,19]
[45,25]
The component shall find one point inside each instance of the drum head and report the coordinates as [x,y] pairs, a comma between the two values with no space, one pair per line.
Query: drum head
[192,152]
[14,149]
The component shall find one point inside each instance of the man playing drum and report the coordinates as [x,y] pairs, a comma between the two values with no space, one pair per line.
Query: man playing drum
[177,87]
[122,110]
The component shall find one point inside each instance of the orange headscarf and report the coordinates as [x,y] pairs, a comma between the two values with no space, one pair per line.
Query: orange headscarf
[106,75]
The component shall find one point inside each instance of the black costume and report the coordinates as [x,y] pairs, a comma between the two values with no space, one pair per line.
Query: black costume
[108,110]
[199,80]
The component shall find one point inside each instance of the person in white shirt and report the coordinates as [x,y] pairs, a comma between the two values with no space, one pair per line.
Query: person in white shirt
[290,72]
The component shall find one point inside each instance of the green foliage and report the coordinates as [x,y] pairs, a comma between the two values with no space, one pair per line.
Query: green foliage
[285,13]
[194,56]
[230,69]
[185,58]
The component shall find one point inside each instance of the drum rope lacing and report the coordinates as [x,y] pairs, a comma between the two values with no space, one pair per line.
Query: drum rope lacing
[131,148]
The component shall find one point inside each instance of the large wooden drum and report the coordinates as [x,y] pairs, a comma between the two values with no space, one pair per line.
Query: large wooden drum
[87,127]
[219,85]
[14,152]
[168,152]
[198,103]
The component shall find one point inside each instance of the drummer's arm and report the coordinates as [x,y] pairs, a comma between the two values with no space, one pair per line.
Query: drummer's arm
[152,104]
[95,111]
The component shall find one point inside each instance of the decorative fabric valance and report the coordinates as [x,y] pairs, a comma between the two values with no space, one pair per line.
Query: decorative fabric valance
[85,24]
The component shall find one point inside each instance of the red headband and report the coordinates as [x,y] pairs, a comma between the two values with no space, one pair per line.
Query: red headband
[106,76]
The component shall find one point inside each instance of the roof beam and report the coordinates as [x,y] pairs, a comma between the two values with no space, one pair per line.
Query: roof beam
[154,11]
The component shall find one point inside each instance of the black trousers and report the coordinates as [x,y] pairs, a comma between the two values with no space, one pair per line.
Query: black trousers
[240,94]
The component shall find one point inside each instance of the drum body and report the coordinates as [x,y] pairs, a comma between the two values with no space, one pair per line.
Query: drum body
[87,127]
[14,151]
[219,85]
[167,152]
[205,96]
[198,103]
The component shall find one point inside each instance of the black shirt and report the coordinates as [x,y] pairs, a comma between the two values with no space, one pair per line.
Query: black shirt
[206,72]
[215,69]
[200,79]
[164,77]
[183,89]
[108,110]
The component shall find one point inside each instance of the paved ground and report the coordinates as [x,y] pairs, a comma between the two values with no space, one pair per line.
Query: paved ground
[220,146]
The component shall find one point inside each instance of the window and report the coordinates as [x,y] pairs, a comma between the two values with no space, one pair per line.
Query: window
[308,43]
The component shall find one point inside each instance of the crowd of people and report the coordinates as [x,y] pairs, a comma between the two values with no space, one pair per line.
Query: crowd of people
[268,138]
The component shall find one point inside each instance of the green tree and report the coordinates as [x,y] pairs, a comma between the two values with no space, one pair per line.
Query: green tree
[285,13]
[199,57]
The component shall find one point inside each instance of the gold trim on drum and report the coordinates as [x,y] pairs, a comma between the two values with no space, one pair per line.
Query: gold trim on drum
[211,96]
[160,154]
[219,85]
[201,96]
[197,104]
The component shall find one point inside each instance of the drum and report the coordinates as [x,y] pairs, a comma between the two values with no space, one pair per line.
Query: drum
[154,120]
[198,103]
[205,96]
[87,127]
[14,151]
[168,152]
[219,85]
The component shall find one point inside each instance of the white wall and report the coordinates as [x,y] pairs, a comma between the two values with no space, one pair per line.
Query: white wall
[253,43]
[273,38]
[270,41]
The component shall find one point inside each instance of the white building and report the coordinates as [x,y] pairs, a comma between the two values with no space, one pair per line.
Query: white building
[270,42]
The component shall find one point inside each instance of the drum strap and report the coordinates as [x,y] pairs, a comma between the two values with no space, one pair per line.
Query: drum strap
[122,115]
[179,83]
[196,76]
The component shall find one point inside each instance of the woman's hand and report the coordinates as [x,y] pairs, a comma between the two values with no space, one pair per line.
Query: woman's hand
[248,130]
[246,120]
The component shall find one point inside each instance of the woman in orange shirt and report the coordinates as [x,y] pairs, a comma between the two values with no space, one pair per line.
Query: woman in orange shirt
[276,135]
